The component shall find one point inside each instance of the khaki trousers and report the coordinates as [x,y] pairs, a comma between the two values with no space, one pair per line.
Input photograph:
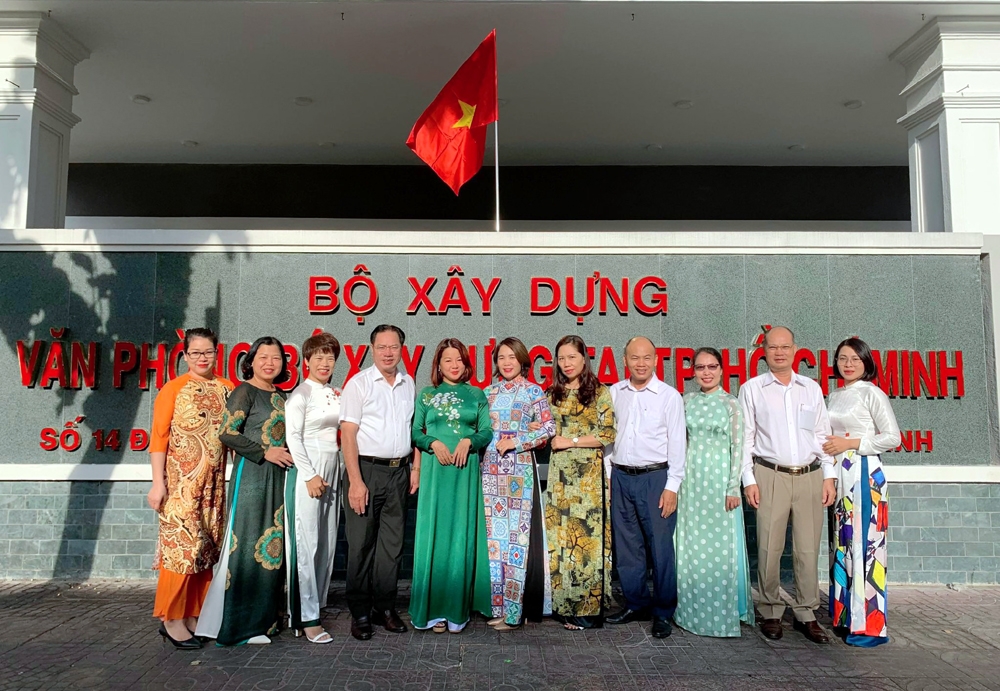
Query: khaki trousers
[799,497]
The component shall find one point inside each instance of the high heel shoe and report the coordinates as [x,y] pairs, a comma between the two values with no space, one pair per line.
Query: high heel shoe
[190,644]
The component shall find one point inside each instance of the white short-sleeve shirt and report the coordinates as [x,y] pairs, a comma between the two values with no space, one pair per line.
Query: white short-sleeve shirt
[382,412]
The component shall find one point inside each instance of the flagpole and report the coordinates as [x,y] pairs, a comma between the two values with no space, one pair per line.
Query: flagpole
[496,163]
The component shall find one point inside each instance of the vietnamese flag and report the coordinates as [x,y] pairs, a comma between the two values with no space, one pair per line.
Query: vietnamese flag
[450,136]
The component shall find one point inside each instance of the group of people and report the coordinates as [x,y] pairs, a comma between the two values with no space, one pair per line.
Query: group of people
[639,476]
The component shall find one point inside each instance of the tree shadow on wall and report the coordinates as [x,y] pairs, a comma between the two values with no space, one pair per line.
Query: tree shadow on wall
[104,297]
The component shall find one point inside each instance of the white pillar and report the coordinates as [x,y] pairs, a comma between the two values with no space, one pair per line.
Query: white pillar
[953,119]
[37,58]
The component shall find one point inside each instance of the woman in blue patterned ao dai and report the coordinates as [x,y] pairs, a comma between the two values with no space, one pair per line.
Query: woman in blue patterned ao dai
[515,518]
[713,572]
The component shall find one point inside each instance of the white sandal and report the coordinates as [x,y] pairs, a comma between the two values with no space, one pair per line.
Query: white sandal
[258,640]
[319,638]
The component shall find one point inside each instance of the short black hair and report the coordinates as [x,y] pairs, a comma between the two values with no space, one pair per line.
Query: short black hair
[246,367]
[200,332]
[863,351]
[382,328]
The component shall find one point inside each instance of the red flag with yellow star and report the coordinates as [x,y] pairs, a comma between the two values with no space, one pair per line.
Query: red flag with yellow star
[450,136]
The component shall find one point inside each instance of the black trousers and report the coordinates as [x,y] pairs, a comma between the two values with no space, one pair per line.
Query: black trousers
[375,539]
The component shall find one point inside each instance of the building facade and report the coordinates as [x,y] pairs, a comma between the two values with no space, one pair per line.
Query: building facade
[203,187]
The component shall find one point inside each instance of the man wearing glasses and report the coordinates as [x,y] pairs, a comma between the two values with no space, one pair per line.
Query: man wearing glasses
[375,419]
[786,475]
[647,468]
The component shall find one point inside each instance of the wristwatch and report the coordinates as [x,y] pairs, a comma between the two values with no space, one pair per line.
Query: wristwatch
[576,440]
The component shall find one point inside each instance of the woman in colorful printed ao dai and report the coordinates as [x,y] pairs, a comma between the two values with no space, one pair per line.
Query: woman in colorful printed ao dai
[515,524]
[247,591]
[578,507]
[189,487]
[863,426]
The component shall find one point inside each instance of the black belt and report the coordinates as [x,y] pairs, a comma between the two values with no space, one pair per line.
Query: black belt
[641,469]
[390,462]
[790,469]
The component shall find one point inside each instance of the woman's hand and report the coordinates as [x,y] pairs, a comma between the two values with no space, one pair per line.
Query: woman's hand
[534,426]
[732,503]
[316,486]
[506,445]
[560,442]
[461,455]
[157,495]
[836,445]
[443,454]
[279,456]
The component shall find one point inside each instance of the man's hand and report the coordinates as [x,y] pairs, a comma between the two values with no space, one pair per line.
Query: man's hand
[316,486]
[461,455]
[668,503]
[443,454]
[157,495]
[357,497]
[732,503]
[752,493]
[829,491]
[414,479]
[279,456]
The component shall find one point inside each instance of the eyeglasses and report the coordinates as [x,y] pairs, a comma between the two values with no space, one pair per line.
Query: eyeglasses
[199,354]
[387,348]
[714,367]
[779,349]
[842,360]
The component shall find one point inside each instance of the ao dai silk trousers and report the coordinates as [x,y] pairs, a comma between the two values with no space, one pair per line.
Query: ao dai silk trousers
[311,545]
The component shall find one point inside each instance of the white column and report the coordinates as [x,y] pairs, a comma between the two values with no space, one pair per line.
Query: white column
[953,119]
[37,58]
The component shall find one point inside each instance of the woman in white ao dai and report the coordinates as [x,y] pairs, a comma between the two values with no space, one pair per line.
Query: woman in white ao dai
[864,426]
[312,487]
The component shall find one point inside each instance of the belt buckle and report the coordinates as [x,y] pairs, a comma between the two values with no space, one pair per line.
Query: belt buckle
[394,462]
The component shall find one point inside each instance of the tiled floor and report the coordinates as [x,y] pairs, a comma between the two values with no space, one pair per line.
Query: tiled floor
[100,635]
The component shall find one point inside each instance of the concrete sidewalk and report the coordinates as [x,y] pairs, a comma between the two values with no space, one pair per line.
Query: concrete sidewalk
[100,635]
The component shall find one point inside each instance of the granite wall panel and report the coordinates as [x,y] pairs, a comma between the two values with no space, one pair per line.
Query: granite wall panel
[72,529]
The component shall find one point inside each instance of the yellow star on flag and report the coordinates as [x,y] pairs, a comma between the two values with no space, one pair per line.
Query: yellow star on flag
[467,114]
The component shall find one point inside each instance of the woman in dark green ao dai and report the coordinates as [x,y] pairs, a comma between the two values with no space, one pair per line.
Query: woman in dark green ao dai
[451,425]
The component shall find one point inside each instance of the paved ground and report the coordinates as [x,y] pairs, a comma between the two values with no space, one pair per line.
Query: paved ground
[99,635]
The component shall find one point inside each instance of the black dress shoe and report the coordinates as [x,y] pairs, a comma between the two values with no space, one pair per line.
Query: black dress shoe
[361,628]
[627,615]
[661,627]
[813,631]
[389,620]
[187,644]
[771,628]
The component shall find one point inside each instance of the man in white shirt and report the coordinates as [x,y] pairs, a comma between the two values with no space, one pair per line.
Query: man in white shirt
[375,420]
[786,475]
[646,474]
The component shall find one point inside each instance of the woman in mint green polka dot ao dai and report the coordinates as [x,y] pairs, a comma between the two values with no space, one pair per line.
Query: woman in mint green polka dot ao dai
[713,583]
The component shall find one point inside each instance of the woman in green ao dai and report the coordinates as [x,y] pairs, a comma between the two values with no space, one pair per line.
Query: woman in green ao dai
[451,425]
[713,581]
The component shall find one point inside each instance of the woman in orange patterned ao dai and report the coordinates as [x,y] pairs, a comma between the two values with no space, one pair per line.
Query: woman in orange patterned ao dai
[189,484]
